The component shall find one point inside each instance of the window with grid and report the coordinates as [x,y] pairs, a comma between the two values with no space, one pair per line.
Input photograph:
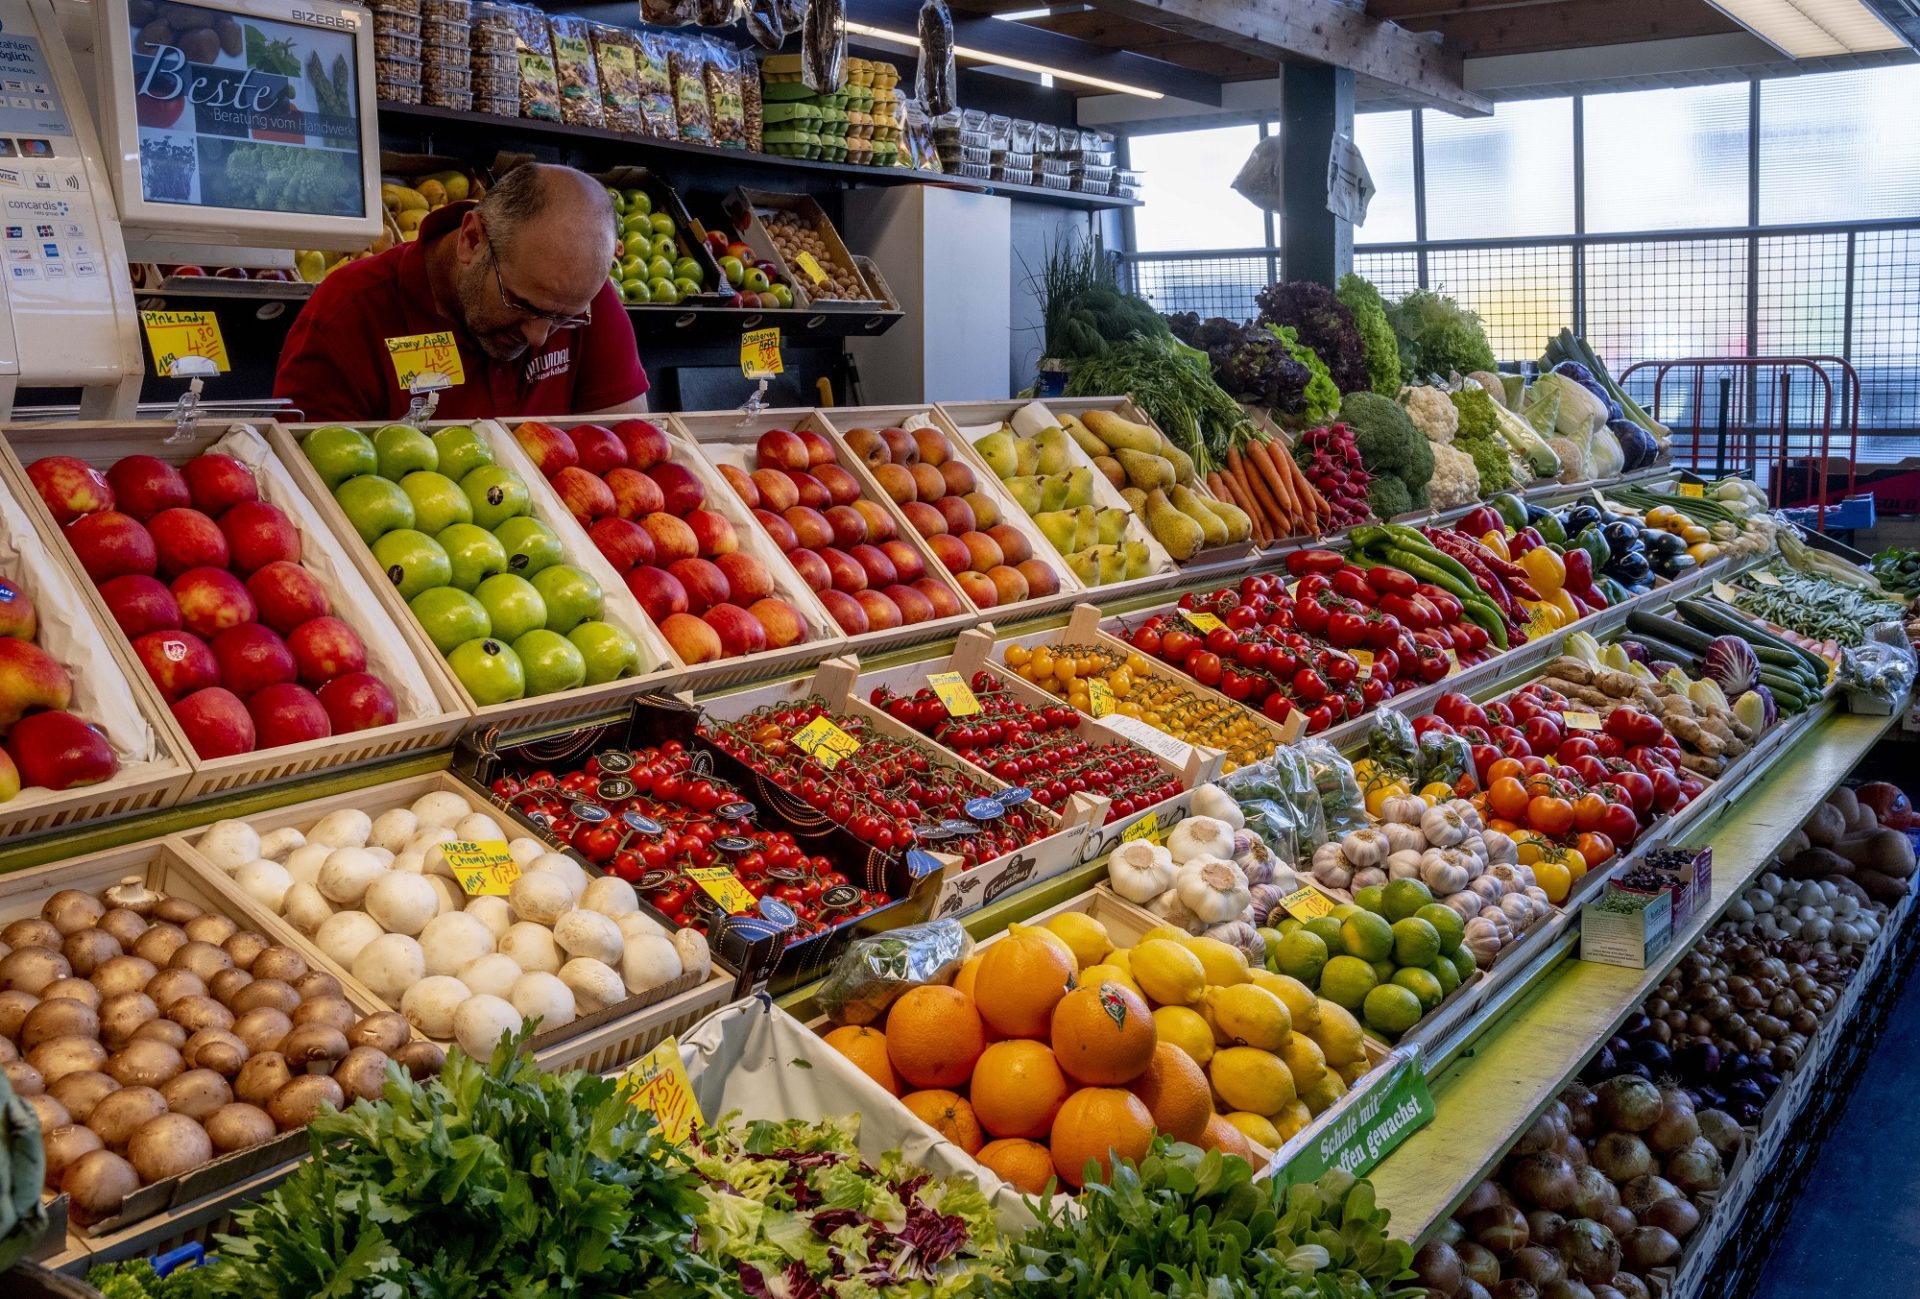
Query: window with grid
[1189,201]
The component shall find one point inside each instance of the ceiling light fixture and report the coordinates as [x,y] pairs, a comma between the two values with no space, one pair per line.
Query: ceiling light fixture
[1812,29]
[1005,61]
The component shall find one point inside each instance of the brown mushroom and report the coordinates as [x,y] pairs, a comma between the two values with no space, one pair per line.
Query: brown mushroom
[245,948]
[75,987]
[197,1093]
[262,1029]
[23,1078]
[161,1030]
[239,1127]
[31,932]
[125,926]
[14,1007]
[204,959]
[133,894]
[216,1049]
[223,986]
[386,1029]
[122,1014]
[177,910]
[318,983]
[160,942]
[65,1144]
[295,1104]
[61,1056]
[80,1092]
[260,1077]
[70,910]
[168,1146]
[196,1013]
[58,1017]
[144,1062]
[210,929]
[362,1073]
[30,969]
[313,1044]
[265,992]
[48,1111]
[334,1012]
[120,974]
[86,949]
[96,1185]
[422,1060]
[282,963]
[121,1113]
[170,985]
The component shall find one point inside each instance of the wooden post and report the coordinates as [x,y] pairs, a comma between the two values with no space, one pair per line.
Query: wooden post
[1315,104]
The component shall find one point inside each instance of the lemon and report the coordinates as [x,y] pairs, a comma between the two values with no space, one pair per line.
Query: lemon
[1224,963]
[1339,1037]
[1121,959]
[1347,980]
[1447,923]
[1085,936]
[1330,1089]
[1291,1119]
[1167,932]
[1367,936]
[1422,985]
[1305,1061]
[1327,930]
[1302,1006]
[1246,1015]
[1352,1073]
[1248,1078]
[1301,955]
[1392,1009]
[1095,975]
[1187,1029]
[1168,973]
[1045,935]
[1442,969]
[1371,898]
[1255,1128]
[1415,942]
[1404,898]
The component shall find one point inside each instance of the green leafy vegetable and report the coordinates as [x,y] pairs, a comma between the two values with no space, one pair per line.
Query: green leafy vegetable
[136,1279]
[1391,447]
[1084,311]
[1376,335]
[285,178]
[1480,437]
[264,54]
[1322,396]
[1438,336]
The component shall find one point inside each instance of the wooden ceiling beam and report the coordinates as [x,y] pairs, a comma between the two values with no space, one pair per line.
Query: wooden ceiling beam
[1564,26]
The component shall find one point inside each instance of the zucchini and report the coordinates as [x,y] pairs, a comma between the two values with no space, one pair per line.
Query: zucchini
[1726,622]
[1671,630]
[1660,649]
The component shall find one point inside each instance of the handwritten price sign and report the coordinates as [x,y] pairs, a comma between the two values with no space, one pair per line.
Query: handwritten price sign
[483,868]
[956,696]
[185,343]
[426,362]
[760,354]
[828,744]
[660,1083]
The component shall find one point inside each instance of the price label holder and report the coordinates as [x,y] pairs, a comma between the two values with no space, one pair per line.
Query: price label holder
[956,696]
[1576,720]
[1307,903]
[810,268]
[724,887]
[186,344]
[826,743]
[1453,660]
[1147,827]
[483,868]
[658,1082]
[760,354]
[1200,620]
[1693,491]
[1762,578]
[1099,697]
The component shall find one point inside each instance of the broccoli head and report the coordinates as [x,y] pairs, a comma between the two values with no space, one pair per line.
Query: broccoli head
[1387,439]
[1388,497]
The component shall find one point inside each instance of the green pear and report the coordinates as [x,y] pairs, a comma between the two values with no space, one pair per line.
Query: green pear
[1053,492]
[1027,455]
[1113,564]
[1026,494]
[1079,488]
[1136,500]
[1110,470]
[1051,446]
[997,450]
[1139,559]
[1180,535]
[1086,566]
[1086,528]
[1112,525]
[1148,473]
[1060,528]
[1211,526]
[1088,443]
[1182,462]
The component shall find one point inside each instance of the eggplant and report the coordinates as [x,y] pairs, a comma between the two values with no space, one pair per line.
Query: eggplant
[1631,567]
[1620,534]
[1580,516]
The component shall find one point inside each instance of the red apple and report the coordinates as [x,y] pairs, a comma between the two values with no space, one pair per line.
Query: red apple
[693,640]
[705,584]
[810,527]
[902,446]
[1042,581]
[849,526]
[550,449]
[842,487]
[178,662]
[956,513]
[30,678]
[986,554]
[110,544]
[777,528]
[70,487]
[781,622]
[679,489]
[819,450]
[657,591]
[914,607]
[905,559]
[326,648]
[742,483]
[813,570]
[952,552]
[945,603]
[1013,543]
[184,539]
[928,483]
[217,483]
[932,445]
[212,600]
[713,532]
[880,569]
[287,714]
[869,446]
[777,491]
[286,595]
[358,701]
[882,613]
[624,543]
[634,494]
[843,570]
[959,477]
[145,485]
[251,658]
[673,537]
[747,578]
[813,493]
[848,612]
[56,750]
[927,520]
[897,482]
[586,497]
[18,618]
[739,631]
[260,533]
[140,604]
[598,448]
[780,448]
[645,441]
[977,587]
[1007,581]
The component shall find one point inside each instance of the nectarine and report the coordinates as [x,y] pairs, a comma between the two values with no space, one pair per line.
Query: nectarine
[846,611]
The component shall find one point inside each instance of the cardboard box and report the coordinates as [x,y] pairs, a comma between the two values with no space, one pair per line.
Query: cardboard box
[1624,927]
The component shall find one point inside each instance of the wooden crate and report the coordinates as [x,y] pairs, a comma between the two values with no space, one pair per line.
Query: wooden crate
[431,715]
[656,659]
[614,1028]
[729,437]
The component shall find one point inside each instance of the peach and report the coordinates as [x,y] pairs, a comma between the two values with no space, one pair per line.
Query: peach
[959,477]
[958,515]
[928,483]
[742,483]
[1013,543]
[869,446]
[645,441]
[586,497]
[945,603]
[813,492]
[882,613]
[914,607]
[812,569]
[598,447]
[678,487]
[1042,581]
[739,631]
[849,526]
[927,520]
[706,585]
[986,510]
[842,487]
[777,491]
[780,621]
[848,612]
[905,559]
[986,553]
[713,532]
[624,543]
[693,640]
[809,526]
[550,448]
[897,482]
[819,450]
[900,446]
[952,552]
[879,522]
[1012,586]
[657,591]
[186,538]
[846,573]
[777,528]
[880,570]
[933,446]
[635,495]
[673,538]
[979,588]
[780,448]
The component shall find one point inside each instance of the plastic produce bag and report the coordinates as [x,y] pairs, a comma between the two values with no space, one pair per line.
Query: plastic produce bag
[1341,802]
[1279,802]
[933,77]
[669,13]
[823,46]
[1393,748]
[1444,758]
[875,970]
[1878,671]
[766,23]
[1259,179]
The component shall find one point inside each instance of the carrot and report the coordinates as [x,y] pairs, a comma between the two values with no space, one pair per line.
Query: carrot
[1250,482]
[1231,490]
[1263,461]
[1316,503]
[1217,484]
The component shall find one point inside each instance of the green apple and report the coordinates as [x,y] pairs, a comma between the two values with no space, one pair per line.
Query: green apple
[489,670]
[513,605]
[663,292]
[374,505]
[688,269]
[571,596]
[662,223]
[550,661]
[413,561]
[609,652]
[438,502]
[634,292]
[495,494]
[783,294]
[530,544]
[639,202]
[450,616]
[634,225]
[734,269]
[400,449]
[338,453]
[686,287]
[755,280]
[475,554]
[461,451]
[663,246]
[632,265]
[618,199]
[660,268]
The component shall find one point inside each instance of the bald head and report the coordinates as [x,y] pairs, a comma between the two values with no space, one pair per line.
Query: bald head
[535,251]
[553,205]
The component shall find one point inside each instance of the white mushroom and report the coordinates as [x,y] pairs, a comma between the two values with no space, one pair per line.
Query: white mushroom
[480,1021]
[695,956]
[532,947]
[411,860]
[610,896]
[595,984]
[276,845]
[544,997]
[402,903]
[229,844]
[441,808]
[447,895]
[345,934]
[638,924]
[542,897]
[491,911]
[304,862]
[563,868]
[389,965]
[391,830]
[648,962]
[306,908]
[525,850]
[347,828]
[451,941]
[429,1005]
[347,873]
[478,827]
[492,975]
[588,933]
[380,855]
[266,882]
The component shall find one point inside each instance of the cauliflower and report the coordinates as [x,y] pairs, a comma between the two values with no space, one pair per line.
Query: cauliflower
[1573,460]
[1456,478]
[1432,412]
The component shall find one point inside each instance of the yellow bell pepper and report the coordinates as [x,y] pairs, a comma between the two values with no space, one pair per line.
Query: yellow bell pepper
[1570,613]
[1546,570]
[1497,543]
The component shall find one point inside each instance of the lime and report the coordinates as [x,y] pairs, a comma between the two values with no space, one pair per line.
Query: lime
[1422,985]
[1288,925]
[1447,923]
[1346,981]
[1345,909]
[1383,971]
[1442,969]
[1391,1009]
[1415,942]
[1463,963]
[1404,898]
[1367,936]
[1327,930]
[1371,898]
[1300,955]
[1269,939]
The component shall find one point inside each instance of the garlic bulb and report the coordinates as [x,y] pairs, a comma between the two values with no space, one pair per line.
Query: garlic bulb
[1200,836]
[1214,802]
[1214,890]
[1140,871]
[1171,909]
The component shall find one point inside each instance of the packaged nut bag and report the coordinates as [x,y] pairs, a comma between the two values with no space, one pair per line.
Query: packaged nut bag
[574,63]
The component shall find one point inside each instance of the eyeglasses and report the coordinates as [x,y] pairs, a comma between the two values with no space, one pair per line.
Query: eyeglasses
[514,303]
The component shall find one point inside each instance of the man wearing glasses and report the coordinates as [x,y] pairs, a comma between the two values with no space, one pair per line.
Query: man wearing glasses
[519,278]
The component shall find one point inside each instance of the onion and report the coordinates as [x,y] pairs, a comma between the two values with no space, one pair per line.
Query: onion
[1646,1248]
[1630,1286]
[1618,1220]
[1676,1125]
[1451,1232]
[1483,1196]
[1574,1151]
[1721,1132]
[1591,1252]
[1544,1227]
[1537,1266]
[1623,1156]
[1478,1262]
[1438,1267]
[1593,1193]
[1580,1109]
[1514,1288]
[1629,1104]
[1543,1133]
[1567,1289]
[1501,1229]
[1676,1217]
[1696,1167]
[1544,1180]
[1642,1193]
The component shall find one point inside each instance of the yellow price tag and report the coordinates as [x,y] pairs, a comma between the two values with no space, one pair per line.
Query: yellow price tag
[185,343]
[1200,620]
[760,354]
[1453,659]
[426,362]
[1099,696]
[1766,579]
[482,869]
[1307,903]
[826,742]
[1580,721]
[1693,491]
[1363,657]
[724,887]
[1724,592]
[1147,827]
[659,1083]
[811,268]
[956,696]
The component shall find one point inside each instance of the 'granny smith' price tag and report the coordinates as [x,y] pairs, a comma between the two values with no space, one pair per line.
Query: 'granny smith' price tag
[827,743]
[1575,720]
[724,887]
[659,1083]
[1200,620]
[810,268]
[1147,827]
[956,696]
[1099,697]
[185,343]
[426,362]
[1693,491]
[760,354]
[1765,579]
[483,868]
[1307,903]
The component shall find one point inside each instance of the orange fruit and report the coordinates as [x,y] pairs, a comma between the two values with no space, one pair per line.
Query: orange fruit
[1103,1035]
[1024,1165]
[948,1114]
[1017,1088]
[1175,1092]
[969,970]
[867,1048]
[1021,978]
[934,1036]
[1228,1140]
[1098,1123]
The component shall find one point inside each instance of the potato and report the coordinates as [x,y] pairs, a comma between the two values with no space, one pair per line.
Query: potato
[197,1093]
[362,1073]
[216,1049]
[64,1145]
[168,1146]
[97,1184]
[123,974]
[61,1056]
[144,1062]
[120,1114]
[87,949]
[295,1104]
[262,1075]
[58,1017]
[122,1014]
[263,1028]
[386,1029]
[80,1092]
[239,1127]
[31,969]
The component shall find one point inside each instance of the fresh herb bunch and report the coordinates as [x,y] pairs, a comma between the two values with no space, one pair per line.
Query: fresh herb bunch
[1193,1225]
[136,1279]
[1083,310]
[1324,324]
[496,1180]
[1438,336]
[1376,335]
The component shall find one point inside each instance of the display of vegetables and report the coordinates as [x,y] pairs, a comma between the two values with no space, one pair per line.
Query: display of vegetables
[1845,844]
[1331,462]
[1322,322]
[1700,636]
[1710,731]
[1438,336]
[1897,571]
[1262,367]
[1377,342]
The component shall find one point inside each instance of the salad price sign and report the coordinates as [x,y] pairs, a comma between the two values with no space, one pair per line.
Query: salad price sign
[485,868]
[659,1083]
[1693,491]
[827,743]
[426,362]
[185,343]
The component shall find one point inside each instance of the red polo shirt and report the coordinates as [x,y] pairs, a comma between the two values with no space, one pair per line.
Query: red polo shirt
[335,365]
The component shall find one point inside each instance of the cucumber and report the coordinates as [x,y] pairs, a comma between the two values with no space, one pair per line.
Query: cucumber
[1726,622]
[1787,692]
[1671,630]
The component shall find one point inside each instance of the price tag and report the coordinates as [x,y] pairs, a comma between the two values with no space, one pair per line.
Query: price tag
[1147,827]
[426,362]
[956,696]
[724,887]
[1724,592]
[1693,491]
[1200,620]
[1765,579]
[760,354]
[1453,660]
[185,343]
[1307,903]
[1363,657]
[659,1083]
[482,869]
[810,268]
[826,742]
[1099,697]
[1580,721]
